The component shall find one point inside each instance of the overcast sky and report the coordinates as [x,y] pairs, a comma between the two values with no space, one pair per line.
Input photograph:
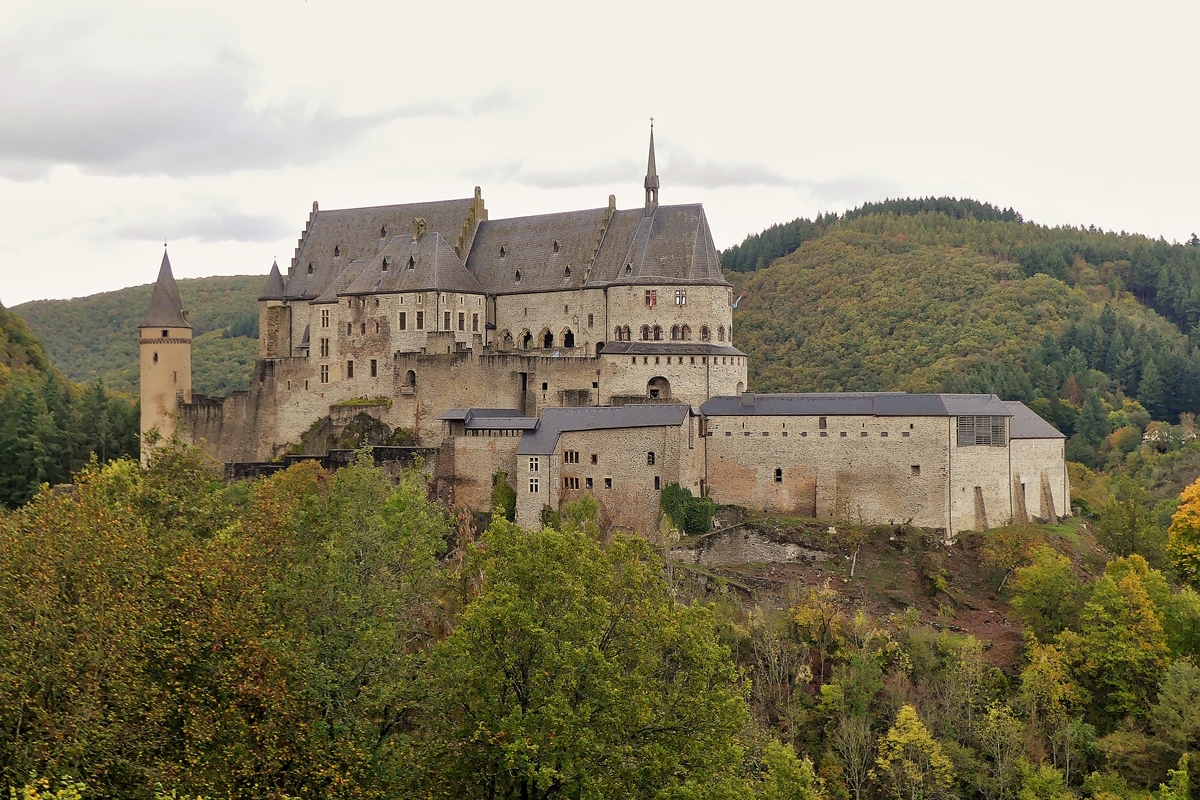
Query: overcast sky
[215,125]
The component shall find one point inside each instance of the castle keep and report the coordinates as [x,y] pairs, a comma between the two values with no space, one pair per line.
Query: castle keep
[584,351]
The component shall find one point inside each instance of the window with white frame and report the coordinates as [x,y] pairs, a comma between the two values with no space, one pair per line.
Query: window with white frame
[681,297]
[533,485]
[533,464]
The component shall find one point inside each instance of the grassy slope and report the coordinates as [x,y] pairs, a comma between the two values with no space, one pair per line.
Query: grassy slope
[96,336]
[890,302]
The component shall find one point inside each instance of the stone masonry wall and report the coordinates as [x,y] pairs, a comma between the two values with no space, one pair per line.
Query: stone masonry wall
[706,305]
[556,312]
[1031,458]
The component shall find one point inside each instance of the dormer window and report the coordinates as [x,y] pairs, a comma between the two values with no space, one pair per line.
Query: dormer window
[629,269]
[337,251]
[556,245]
[412,262]
[310,269]
[385,264]
[503,251]
[383,232]
[567,271]
[518,276]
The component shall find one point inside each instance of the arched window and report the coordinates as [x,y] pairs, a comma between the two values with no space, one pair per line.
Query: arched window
[658,333]
[685,333]
[628,334]
[567,271]
[674,332]
[526,340]
[645,332]
[617,334]
[383,232]
[337,251]
[569,338]
[650,458]
[518,276]
[547,340]
[704,333]
[720,333]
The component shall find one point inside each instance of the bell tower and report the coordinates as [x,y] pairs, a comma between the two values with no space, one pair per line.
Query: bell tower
[165,337]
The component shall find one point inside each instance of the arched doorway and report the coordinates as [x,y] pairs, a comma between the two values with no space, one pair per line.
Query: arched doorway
[568,338]
[658,388]
[741,387]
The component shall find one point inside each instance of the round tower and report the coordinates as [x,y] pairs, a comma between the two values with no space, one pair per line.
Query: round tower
[165,337]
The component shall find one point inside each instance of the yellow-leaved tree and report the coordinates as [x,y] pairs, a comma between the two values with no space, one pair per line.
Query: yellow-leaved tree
[1184,543]
[911,764]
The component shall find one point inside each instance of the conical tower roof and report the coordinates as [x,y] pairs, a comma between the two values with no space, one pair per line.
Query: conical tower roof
[274,288]
[166,309]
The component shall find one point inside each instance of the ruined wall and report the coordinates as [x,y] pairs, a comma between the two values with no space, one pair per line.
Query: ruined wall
[476,460]
[1033,458]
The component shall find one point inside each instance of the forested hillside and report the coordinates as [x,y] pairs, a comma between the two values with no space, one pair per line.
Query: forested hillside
[49,427]
[96,336]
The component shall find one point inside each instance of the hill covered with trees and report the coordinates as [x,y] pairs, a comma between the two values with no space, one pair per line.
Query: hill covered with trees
[49,426]
[96,336]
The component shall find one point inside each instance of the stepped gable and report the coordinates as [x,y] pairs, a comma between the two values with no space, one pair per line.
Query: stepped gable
[671,244]
[356,233]
[166,309]
[529,246]
[435,267]
[273,290]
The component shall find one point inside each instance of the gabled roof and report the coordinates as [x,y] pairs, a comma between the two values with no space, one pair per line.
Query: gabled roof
[541,247]
[166,309]
[876,404]
[361,233]
[555,421]
[1026,424]
[435,267]
[273,290]
[673,244]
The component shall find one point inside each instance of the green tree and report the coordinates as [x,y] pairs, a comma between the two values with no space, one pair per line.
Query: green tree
[1000,734]
[1120,651]
[1093,423]
[575,673]
[787,777]
[1047,595]
[504,496]
[1176,715]
[1150,390]
[1183,545]
[1126,524]
[911,764]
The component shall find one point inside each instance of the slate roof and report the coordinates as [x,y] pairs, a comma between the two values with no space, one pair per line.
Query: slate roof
[555,421]
[877,404]
[273,290]
[670,349]
[464,414]
[435,267]
[673,244]
[361,233]
[165,309]
[528,244]
[1026,424]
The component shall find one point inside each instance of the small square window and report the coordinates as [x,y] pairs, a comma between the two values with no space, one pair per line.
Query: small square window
[587,483]
[779,475]
[843,434]
[349,369]
[729,433]
[824,434]
[166,334]
[821,423]
[657,483]
[593,458]
[864,433]
[883,434]
[608,483]
[374,368]
[916,470]
[904,434]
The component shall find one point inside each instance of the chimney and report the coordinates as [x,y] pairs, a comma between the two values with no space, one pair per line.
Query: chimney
[419,227]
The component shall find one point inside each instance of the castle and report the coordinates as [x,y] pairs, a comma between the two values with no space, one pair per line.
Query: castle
[584,351]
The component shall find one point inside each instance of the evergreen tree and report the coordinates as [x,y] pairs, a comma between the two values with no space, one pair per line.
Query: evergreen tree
[1093,423]
[1150,390]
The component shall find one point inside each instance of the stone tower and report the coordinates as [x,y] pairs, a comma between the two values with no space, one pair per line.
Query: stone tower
[165,337]
[274,318]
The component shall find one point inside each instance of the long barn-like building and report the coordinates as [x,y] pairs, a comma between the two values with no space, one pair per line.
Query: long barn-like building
[583,351]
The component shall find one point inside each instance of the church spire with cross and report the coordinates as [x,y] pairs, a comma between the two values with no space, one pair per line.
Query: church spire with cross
[651,176]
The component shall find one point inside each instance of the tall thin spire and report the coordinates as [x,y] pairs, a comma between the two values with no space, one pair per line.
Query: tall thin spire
[651,176]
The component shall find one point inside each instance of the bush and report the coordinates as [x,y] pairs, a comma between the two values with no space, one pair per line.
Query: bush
[690,514]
